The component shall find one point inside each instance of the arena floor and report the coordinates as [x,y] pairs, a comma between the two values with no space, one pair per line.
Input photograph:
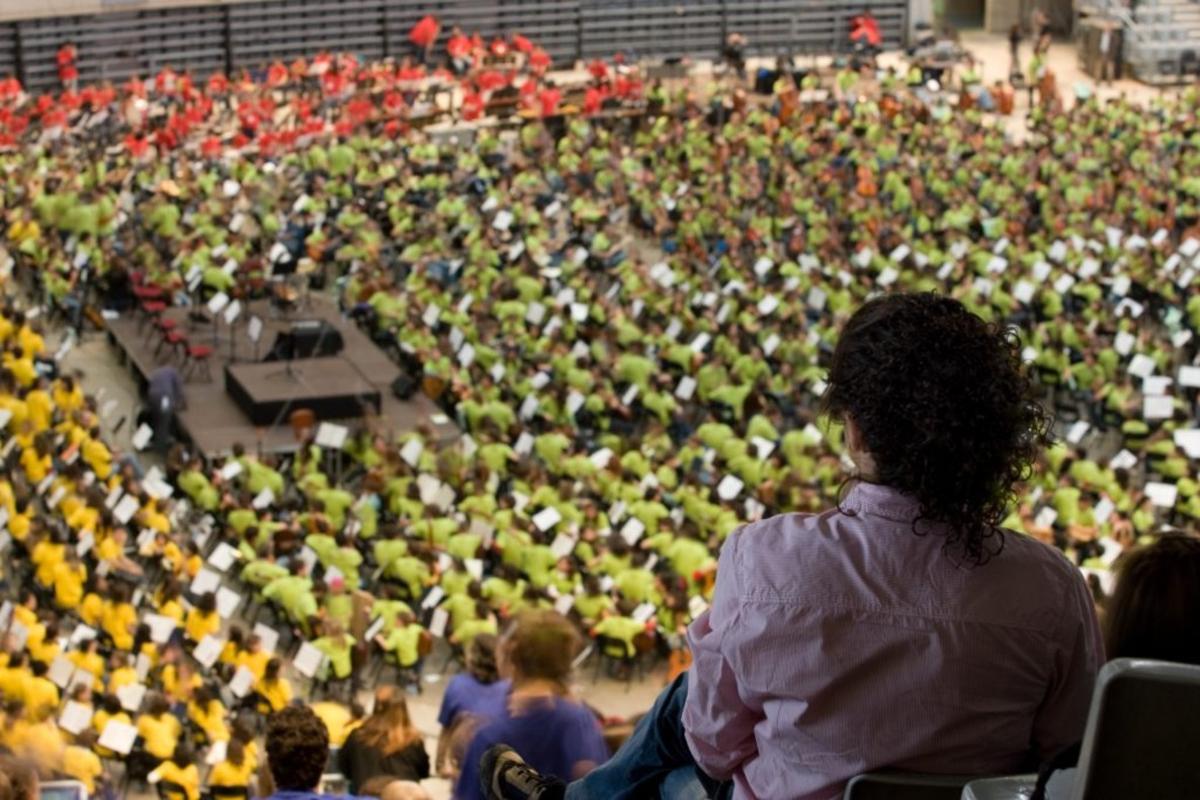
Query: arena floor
[97,361]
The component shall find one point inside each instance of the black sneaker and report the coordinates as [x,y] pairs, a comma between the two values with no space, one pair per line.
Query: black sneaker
[504,775]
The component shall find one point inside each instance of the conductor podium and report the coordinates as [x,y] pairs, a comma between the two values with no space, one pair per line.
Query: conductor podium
[332,387]
[303,369]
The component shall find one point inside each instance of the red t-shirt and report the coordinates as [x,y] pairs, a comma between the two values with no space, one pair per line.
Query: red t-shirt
[550,98]
[425,32]
[472,105]
[539,59]
[458,46]
[66,63]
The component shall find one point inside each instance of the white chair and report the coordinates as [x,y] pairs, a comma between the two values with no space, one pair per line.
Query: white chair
[62,790]
[1139,741]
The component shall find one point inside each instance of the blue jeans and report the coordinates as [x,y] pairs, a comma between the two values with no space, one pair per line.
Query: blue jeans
[654,762]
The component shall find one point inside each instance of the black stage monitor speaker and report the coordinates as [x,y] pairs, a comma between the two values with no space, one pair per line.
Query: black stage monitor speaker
[405,386]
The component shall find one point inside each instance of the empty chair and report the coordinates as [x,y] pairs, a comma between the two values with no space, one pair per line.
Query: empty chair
[1140,738]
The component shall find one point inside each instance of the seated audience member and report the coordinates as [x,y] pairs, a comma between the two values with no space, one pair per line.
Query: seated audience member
[235,771]
[552,731]
[472,698]
[1152,614]
[181,773]
[297,752]
[821,657]
[385,745]
[18,780]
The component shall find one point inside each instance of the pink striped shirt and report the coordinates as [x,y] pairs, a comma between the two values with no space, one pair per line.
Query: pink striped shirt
[842,642]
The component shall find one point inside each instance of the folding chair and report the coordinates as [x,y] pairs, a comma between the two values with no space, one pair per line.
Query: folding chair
[905,786]
[1139,740]
[229,792]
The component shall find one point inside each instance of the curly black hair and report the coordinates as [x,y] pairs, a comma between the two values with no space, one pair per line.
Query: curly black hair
[297,748]
[946,410]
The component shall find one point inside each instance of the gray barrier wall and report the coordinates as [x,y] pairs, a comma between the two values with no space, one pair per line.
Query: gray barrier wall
[118,44]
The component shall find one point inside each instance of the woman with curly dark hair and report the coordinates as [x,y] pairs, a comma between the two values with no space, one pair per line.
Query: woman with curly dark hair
[936,406]
[902,629]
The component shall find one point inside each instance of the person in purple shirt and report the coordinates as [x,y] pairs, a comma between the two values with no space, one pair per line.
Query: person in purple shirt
[904,628]
[472,698]
[552,732]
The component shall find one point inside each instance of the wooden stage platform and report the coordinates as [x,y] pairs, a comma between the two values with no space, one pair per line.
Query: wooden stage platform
[214,421]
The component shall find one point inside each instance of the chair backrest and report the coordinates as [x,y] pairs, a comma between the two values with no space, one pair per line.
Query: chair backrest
[169,790]
[906,786]
[1141,733]
[62,790]
[229,792]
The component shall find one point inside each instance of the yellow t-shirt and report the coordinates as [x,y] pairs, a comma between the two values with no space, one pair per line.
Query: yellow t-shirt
[200,624]
[211,720]
[47,556]
[42,744]
[83,765]
[172,610]
[68,401]
[255,662]
[41,408]
[31,341]
[90,662]
[122,677]
[186,777]
[227,774]
[68,584]
[160,734]
[41,696]
[336,718]
[14,681]
[119,621]
[91,610]
[278,693]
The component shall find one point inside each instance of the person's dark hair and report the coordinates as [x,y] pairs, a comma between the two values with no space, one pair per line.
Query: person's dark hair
[18,779]
[207,603]
[183,755]
[481,658]
[297,748]
[1152,611]
[945,409]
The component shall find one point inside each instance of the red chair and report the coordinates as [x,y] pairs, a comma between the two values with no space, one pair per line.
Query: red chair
[198,355]
[175,341]
[151,309]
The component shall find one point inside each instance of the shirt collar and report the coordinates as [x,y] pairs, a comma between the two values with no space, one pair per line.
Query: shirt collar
[878,500]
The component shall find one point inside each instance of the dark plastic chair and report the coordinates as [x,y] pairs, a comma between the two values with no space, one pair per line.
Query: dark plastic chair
[1140,738]
[906,786]
[229,792]
[169,790]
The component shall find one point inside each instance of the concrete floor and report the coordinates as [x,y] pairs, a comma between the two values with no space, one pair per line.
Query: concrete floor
[93,358]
